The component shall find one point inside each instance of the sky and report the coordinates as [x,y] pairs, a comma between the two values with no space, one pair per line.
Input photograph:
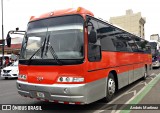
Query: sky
[18,12]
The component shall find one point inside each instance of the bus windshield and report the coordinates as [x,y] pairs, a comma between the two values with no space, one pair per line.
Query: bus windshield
[60,36]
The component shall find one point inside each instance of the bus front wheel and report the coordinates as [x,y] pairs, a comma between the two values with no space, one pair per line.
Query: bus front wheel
[111,88]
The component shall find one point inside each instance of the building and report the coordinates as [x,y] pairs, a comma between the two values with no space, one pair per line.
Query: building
[131,22]
[155,37]
[15,46]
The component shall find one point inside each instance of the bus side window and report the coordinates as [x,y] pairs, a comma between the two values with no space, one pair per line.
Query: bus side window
[121,43]
[133,45]
[106,40]
[94,50]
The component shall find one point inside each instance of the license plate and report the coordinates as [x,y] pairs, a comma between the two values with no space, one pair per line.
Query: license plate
[6,75]
[40,94]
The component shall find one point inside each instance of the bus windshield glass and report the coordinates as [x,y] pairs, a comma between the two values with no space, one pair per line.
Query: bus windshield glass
[54,38]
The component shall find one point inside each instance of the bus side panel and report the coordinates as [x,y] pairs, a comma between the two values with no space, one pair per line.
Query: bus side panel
[96,90]
[125,78]
[129,66]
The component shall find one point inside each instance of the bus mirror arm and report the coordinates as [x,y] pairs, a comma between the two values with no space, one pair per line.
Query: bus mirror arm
[92,36]
[17,31]
[87,22]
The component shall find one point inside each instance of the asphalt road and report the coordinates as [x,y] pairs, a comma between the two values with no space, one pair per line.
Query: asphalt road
[9,95]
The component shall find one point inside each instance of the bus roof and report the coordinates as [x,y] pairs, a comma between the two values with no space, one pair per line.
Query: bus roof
[79,10]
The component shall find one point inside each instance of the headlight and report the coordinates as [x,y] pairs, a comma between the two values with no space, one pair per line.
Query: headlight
[14,71]
[22,77]
[157,61]
[70,79]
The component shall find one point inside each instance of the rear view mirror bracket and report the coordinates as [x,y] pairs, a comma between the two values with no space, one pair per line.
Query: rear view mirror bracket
[8,38]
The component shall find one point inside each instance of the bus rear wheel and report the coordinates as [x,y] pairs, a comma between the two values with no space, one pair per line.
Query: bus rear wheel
[111,88]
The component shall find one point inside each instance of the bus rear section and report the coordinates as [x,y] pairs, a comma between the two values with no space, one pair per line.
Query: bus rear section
[73,58]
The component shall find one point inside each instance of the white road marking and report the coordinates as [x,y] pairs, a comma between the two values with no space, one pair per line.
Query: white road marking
[126,92]
[134,96]
[134,92]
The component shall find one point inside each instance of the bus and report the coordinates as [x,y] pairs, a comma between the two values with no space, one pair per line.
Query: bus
[155,46]
[155,51]
[69,56]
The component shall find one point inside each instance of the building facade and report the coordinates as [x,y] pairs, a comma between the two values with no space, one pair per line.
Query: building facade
[15,46]
[131,22]
[155,37]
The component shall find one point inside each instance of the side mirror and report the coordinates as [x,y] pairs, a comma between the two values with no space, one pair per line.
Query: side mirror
[92,37]
[17,31]
[8,39]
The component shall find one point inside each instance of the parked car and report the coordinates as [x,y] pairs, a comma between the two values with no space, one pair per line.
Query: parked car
[5,61]
[156,61]
[11,71]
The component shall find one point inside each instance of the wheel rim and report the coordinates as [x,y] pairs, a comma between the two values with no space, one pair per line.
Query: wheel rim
[111,86]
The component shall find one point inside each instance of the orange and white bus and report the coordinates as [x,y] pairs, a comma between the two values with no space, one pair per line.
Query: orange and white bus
[71,57]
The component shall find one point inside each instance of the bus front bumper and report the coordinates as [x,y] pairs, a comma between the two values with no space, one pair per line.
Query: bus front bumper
[73,93]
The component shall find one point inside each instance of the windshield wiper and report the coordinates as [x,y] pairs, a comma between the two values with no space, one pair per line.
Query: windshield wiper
[41,48]
[29,60]
[52,51]
[55,56]
[47,45]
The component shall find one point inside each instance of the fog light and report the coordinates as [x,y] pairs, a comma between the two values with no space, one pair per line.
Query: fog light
[65,90]
[19,86]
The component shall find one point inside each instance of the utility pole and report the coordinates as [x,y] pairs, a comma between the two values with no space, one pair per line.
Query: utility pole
[3,42]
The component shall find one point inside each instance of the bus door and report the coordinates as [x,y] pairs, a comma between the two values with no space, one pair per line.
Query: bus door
[94,48]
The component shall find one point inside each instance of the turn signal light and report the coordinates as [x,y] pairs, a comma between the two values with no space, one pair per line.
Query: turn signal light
[22,77]
[78,9]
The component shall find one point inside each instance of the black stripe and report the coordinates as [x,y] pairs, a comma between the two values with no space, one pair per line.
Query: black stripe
[96,69]
[112,67]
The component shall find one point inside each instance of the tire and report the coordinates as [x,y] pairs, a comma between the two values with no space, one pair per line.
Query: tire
[6,78]
[111,88]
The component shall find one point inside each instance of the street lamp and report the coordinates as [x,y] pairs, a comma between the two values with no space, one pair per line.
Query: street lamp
[3,43]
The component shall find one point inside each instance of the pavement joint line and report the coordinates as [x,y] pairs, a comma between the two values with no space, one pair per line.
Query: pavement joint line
[141,94]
